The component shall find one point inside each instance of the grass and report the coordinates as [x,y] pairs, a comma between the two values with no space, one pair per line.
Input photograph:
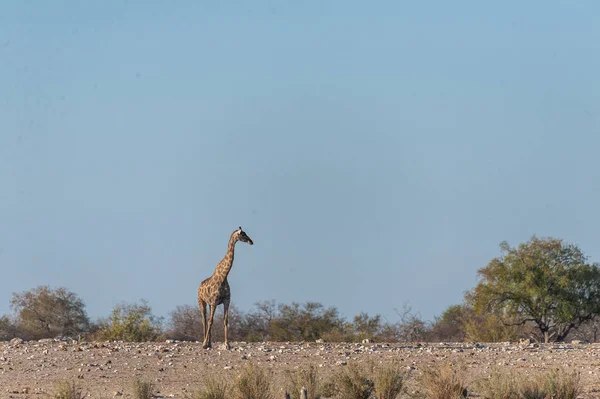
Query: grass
[445,382]
[389,380]
[563,385]
[215,387]
[68,390]
[304,378]
[352,382]
[555,384]
[253,383]
[142,389]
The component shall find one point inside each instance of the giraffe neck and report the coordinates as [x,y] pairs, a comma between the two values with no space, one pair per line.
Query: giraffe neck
[225,265]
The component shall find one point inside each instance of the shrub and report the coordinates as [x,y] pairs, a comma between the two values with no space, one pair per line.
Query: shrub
[130,322]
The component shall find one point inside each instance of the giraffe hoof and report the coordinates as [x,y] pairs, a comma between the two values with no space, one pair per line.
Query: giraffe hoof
[206,346]
[227,347]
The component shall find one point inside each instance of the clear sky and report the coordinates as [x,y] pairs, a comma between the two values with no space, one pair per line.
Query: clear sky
[376,152]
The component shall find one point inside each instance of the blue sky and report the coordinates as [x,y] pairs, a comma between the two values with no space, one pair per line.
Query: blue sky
[377,153]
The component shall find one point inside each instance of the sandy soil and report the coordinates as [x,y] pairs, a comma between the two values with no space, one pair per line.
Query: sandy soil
[107,370]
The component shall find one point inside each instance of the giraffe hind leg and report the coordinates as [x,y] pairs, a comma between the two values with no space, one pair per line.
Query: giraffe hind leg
[226,324]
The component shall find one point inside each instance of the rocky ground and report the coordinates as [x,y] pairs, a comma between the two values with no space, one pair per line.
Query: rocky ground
[108,369]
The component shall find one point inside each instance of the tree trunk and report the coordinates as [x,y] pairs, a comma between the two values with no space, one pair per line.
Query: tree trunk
[546,337]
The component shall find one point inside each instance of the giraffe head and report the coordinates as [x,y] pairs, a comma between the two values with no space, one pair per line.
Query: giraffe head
[242,236]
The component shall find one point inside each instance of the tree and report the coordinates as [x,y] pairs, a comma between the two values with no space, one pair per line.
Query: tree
[186,323]
[365,326]
[255,326]
[131,322]
[47,313]
[411,327]
[8,329]
[450,326]
[309,322]
[545,282]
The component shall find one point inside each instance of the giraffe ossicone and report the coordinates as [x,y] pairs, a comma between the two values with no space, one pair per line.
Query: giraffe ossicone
[215,290]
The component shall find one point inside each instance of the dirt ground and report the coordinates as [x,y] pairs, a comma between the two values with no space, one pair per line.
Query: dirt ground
[108,369]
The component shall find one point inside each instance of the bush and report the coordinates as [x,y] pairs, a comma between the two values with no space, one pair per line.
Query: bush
[130,322]
[185,324]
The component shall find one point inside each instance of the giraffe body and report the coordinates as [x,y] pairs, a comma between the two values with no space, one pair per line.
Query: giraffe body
[215,290]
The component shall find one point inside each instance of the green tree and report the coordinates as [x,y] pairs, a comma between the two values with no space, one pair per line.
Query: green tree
[47,313]
[256,325]
[131,322]
[307,322]
[545,282]
[365,326]
[450,326]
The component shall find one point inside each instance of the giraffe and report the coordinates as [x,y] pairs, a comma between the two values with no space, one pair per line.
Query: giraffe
[215,290]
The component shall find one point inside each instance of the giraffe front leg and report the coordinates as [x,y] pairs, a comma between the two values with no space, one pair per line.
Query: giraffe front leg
[207,339]
[203,314]
[226,324]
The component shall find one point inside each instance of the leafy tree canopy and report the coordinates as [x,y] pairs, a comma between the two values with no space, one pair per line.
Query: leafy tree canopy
[44,312]
[545,282]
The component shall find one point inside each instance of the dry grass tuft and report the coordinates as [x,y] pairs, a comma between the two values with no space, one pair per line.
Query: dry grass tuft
[445,382]
[142,389]
[307,378]
[68,390]
[352,382]
[253,383]
[562,384]
[215,387]
[389,380]
[507,384]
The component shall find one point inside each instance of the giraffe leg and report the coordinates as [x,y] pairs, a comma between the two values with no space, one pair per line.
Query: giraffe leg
[207,339]
[226,323]
[203,313]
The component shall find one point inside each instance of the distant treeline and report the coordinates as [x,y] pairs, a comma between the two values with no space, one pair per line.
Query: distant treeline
[544,289]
